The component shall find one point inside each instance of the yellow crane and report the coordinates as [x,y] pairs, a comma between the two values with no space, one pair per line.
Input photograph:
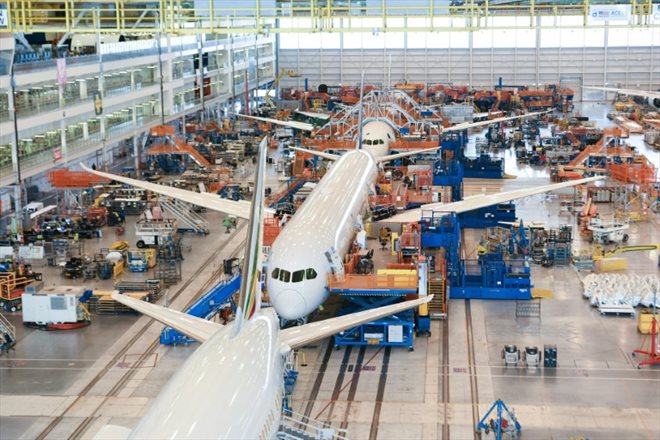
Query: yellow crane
[273,85]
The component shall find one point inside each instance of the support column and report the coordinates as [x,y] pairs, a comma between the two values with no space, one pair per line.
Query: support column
[136,147]
[15,158]
[65,151]
[82,86]
[538,50]
[200,75]
[85,128]
[102,121]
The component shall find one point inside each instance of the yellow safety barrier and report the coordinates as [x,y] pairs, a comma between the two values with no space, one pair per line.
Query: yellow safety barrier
[178,17]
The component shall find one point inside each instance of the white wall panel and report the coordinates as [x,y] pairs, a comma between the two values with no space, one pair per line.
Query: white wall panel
[627,66]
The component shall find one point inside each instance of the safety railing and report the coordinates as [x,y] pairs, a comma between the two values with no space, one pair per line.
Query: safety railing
[373,282]
[176,16]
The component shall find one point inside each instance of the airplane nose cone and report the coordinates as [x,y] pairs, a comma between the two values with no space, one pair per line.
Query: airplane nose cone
[289,304]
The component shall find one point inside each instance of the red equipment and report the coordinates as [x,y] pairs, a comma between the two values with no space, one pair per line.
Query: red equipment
[653,353]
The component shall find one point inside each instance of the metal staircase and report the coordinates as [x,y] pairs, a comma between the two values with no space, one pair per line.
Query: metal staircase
[438,305]
[205,307]
[187,219]
[297,426]
[8,332]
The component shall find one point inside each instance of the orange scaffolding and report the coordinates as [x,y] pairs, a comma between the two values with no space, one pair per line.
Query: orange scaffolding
[272,229]
[65,178]
[178,146]
[373,282]
[635,173]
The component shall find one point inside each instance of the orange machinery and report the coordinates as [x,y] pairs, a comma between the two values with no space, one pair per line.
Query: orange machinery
[65,178]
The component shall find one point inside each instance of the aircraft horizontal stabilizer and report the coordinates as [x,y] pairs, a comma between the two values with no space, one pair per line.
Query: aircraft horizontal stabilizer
[320,154]
[483,200]
[465,125]
[240,209]
[196,328]
[291,124]
[322,116]
[298,336]
[630,92]
[390,157]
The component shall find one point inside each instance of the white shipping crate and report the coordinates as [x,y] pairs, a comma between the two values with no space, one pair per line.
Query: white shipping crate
[49,308]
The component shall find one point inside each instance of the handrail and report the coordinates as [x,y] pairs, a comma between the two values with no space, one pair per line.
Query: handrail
[373,282]
[314,427]
[236,17]
[8,325]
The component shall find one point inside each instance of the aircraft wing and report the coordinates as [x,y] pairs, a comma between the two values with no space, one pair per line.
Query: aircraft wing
[465,125]
[485,114]
[630,92]
[240,209]
[112,432]
[390,157]
[322,116]
[298,336]
[483,200]
[197,328]
[293,124]
[321,154]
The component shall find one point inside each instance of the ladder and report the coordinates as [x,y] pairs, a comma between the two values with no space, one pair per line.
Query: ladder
[438,305]
[8,332]
[186,217]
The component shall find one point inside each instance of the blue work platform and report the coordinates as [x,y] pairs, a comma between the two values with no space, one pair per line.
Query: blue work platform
[205,307]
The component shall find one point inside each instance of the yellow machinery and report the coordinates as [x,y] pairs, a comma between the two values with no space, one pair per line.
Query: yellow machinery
[599,251]
[274,84]
[644,320]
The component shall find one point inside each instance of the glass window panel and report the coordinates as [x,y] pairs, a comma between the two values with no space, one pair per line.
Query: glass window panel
[298,276]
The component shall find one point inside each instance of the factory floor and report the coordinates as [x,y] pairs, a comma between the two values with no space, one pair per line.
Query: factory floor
[62,384]
[58,385]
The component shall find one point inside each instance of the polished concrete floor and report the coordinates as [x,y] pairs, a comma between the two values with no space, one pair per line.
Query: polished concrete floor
[59,385]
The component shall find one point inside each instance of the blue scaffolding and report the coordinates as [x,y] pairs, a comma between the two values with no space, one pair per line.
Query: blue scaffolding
[205,307]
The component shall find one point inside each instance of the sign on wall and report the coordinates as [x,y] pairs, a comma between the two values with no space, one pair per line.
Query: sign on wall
[610,12]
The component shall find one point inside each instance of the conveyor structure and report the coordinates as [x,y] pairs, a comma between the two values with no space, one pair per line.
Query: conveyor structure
[205,307]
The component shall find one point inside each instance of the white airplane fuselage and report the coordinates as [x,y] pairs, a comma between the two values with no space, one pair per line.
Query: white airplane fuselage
[230,387]
[327,220]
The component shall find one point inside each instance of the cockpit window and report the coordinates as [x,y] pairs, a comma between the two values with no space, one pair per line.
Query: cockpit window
[285,276]
[366,141]
[381,142]
[298,276]
[275,273]
[311,274]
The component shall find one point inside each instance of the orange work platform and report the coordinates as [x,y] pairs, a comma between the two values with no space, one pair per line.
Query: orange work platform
[636,173]
[179,147]
[65,178]
[329,144]
[413,145]
[373,282]
[272,229]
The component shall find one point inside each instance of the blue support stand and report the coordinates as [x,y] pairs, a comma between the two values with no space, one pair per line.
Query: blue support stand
[505,423]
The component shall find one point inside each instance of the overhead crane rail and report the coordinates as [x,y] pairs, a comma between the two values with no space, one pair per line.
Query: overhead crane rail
[177,17]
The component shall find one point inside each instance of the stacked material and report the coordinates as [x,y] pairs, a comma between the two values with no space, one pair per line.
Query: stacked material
[628,289]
